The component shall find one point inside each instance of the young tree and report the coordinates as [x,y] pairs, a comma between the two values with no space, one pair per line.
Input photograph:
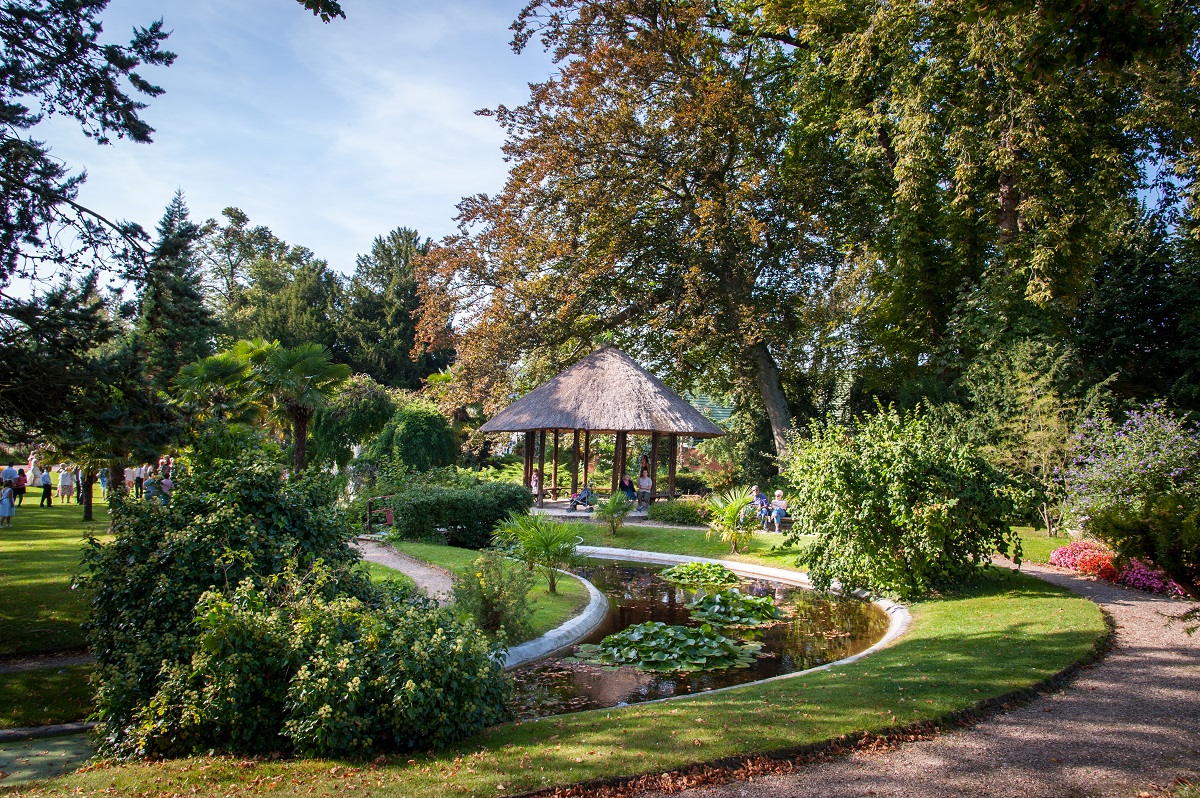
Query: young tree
[298,381]
[174,327]
[650,199]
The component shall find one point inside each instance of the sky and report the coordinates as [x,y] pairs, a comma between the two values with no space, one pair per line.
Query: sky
[330,135]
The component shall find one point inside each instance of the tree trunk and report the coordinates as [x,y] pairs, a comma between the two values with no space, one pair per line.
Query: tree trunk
[89,480]
[770,386]
[300,436]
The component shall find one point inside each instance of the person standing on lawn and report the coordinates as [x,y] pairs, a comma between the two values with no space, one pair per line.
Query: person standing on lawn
[47,489]
[139,482]
[19,486]
[78,485]
[166,485]
[7,508]
[66,483]
[9,473]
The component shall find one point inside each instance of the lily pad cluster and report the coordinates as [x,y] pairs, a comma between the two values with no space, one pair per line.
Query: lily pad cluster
[734,608]
[656,646]
[700,575]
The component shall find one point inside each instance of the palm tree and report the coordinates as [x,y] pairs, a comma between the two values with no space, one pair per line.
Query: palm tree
[297,382]
[732,517]
[217,387]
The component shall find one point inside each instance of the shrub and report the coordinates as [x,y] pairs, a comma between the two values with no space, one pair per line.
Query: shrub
[685,511]
[612,512]
[1068,556]
[467,515]
[1098,564]
[542,542]
[284,668]
[655,646]
[417,436]
[731,517]
[494,592]
[895,506]
[1140,577]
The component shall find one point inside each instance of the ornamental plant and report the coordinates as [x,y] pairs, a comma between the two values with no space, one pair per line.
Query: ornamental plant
[684,511]
[1140,577]
[896,506]
[731,517]
[700,576]
[613,511]
[655,646]
[542,542]
[493,592]
[734,608]
[1068,556]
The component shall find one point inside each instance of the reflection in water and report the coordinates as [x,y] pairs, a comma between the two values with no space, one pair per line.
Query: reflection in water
[818,628]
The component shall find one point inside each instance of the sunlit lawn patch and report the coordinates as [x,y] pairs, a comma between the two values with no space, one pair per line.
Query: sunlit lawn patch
[1008,634]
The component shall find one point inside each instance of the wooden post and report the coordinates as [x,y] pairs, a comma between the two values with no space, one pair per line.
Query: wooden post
[673,443]
[653,466]
[554,469]
[587,454]
[528,459]
[575,463]
[541,468]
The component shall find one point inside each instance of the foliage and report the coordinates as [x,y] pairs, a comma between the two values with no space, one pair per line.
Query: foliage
[494,591]
[700,576]
[731,517]
[542,542]
[655,646]
[1138,576]
[1068,556]
[354,415]
[289,667]
[685,511]
[896,506]
[417,436]
[613,511]
[1136,486]
[229,520]
[467,515]
[734,608]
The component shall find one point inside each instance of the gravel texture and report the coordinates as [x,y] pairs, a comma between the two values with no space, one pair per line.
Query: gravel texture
[434,581]
[49,661]
[1129,724]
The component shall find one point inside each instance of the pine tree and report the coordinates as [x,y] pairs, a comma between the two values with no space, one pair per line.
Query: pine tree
[174,326]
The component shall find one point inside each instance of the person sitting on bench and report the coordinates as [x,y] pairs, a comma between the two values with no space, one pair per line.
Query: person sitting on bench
[778,509]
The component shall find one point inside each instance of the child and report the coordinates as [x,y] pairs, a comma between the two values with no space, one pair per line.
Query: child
[7,508]
[778,509]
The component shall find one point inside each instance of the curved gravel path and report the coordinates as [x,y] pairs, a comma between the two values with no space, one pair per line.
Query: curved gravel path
[48,661]
[434,581]
[1129,724]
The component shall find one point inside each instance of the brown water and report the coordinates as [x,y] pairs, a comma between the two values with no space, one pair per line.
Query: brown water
[818,628]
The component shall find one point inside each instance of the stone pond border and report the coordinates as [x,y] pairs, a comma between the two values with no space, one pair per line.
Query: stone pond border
[582,625]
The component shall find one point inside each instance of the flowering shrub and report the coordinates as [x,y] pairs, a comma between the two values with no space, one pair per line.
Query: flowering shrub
[494,592]
[1098,564]
[1068,556]
[1138,576]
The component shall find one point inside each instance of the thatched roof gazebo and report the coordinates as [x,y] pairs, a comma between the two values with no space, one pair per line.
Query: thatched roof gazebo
[606,393]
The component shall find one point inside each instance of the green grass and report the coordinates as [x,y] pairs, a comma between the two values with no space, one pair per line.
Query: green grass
[45,696]
[763,549]
[1010,633]
[379,573]
[550,610]
[1036,545]
[39,557]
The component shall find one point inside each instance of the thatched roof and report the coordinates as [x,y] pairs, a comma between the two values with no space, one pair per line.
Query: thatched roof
[605,392]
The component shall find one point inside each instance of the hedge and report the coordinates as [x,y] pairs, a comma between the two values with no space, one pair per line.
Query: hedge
[467,515]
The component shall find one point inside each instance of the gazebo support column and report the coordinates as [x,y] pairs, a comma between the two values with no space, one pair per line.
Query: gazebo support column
[575,463]
[554,468]
[653,467]
[587,455]
[528,458]
[541,468]
[673,444]
[619,460]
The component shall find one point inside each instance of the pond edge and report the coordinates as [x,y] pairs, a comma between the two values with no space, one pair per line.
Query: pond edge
[564,636]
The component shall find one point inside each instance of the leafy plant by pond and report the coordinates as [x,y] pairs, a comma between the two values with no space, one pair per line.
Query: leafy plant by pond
[700,575]
[734,608]
[655,646]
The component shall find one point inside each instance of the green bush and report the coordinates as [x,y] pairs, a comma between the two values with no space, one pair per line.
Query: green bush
[467,515]
[731,517]
[494,592]
[284,668]
[612,512]
[418,436]
[895,506]
[542,542]
[688,512]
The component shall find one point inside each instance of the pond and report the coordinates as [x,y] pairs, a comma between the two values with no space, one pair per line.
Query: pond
[817,628]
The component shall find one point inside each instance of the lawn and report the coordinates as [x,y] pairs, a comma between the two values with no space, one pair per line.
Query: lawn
[39,556]
[45,696]
[764,549]
[1036,545]
[1009,634]
[379,573]
[550,610]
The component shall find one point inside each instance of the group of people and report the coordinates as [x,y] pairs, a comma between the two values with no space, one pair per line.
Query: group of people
[769,510]
[142,482]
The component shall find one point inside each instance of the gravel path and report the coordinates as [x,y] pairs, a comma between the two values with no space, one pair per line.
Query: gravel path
[434,581]
[1129,724]
[51,661]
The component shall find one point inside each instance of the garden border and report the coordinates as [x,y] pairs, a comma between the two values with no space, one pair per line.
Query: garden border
[568,634]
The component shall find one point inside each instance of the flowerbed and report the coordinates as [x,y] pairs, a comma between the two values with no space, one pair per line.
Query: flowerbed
[1095,559]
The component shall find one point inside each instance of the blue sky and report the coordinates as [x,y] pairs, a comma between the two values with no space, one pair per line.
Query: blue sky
[328,134]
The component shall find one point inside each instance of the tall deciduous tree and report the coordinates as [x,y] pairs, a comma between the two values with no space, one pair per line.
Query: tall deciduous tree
[649,199]
[174,327]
